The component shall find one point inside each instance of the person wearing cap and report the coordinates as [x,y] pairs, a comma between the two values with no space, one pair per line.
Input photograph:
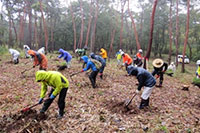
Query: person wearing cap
[15,55]
[60,86]
[159,69]
[103,53]
[198,69]
[127,60]
[39,59]
[102,61]
[26,48]
[92,66]
[145,80]
[139,54]
[119,57]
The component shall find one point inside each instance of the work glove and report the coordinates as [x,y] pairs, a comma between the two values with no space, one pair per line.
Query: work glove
[137,91]
[40,101]
[123,64]
[82,70]
[52,96]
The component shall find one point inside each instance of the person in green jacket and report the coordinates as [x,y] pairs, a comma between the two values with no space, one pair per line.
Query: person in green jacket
[60,86]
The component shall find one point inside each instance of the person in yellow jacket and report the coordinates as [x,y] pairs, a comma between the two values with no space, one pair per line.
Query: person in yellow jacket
[103,53]
[60,86]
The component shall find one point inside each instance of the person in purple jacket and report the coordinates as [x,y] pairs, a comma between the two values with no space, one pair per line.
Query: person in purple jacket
[66,56]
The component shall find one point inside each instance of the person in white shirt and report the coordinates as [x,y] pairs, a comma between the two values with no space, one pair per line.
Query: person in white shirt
[15,55]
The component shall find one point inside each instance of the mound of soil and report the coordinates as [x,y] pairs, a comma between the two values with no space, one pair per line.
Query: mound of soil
[23,122]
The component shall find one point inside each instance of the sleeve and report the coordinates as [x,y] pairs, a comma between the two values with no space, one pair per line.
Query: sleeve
[61,55]
[165,66]
[35,61]
[65,55]
[59,87]
[141,82]
[87,67]
[43,90]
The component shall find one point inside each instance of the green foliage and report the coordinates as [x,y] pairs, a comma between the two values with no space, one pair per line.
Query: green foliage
[196,81]
[3,50]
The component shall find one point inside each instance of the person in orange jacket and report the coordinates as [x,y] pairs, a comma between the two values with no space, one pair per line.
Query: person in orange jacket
[103,54]
[39,59]
[127,60]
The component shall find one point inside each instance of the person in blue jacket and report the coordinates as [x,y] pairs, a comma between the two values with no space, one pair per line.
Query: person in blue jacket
[102,61]
[145,79]
[66,56]
[90,65]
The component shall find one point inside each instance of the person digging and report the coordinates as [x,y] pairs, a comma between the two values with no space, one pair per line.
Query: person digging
[159,69]
[127,60]
[145,80]
[92,66]
[39,59]
[60,86]
[102,61]
[67,57]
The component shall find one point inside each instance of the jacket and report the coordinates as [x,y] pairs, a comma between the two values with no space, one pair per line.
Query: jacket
[89,64]
[138,55]
[15,54]
[66,56]
[127,59]
[53,79]
[41,50]
[26,48]
[98,58]
[198,71]
[144,77]
[118,55]
[103,53]
[39,59]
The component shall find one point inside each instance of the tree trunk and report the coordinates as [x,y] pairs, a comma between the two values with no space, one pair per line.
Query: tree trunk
[170,33]
[82,25]
[186,35]
[111,43]
[30,23]
[89,25]
[177,31]
[35,33]
[151,33]
[134,28]
[45,27]
[94,28]
[74,27]
[122,22]
[13,24]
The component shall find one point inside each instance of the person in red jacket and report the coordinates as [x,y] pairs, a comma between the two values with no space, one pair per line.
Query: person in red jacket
[39,59]
[127,60]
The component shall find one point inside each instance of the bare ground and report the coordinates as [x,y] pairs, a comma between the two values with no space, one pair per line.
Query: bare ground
[95,110]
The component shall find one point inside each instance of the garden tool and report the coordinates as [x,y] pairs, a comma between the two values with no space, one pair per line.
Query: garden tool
[128,101]
[28,108]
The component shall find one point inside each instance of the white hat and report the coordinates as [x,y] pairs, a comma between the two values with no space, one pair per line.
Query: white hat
[140,50]
[198,62]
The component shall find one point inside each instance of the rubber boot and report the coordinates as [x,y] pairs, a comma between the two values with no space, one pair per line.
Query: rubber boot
[93,82]
[101,75]
[142,104]
[160,84]
[147,103]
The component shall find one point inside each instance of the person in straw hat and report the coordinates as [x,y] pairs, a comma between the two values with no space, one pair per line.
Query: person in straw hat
[159,69]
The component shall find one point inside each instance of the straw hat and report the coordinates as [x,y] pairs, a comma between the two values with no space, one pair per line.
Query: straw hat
[158,63]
